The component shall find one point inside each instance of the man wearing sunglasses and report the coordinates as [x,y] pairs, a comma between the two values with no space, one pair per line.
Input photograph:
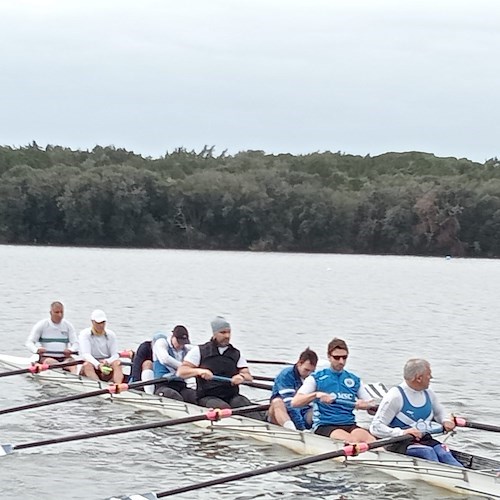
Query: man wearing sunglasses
[335,393]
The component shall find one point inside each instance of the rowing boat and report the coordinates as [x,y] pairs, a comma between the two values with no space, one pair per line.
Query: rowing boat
[480,476]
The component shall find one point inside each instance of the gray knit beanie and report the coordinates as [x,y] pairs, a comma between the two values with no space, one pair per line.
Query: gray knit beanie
[219,323]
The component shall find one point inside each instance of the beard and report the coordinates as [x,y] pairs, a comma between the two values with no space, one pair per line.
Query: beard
[222,343]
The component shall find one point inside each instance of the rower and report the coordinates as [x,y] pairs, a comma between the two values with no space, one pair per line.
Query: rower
[218,357]
[413,408]
[142,366]
[54,339]
[335,393]
[99,349]
[168,354]
[286,384]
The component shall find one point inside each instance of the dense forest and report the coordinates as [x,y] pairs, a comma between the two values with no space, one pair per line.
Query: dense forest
[395,203]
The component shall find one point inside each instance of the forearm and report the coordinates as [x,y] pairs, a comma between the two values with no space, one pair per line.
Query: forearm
[165,359]
[381,430]
[93,361]
[388,409]
[303,399]
[32,346]
[188,370]
[245,373]
[33,341]
[85,352]
[73,342]
[113,349]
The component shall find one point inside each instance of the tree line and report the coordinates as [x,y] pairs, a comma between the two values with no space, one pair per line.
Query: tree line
[396,203]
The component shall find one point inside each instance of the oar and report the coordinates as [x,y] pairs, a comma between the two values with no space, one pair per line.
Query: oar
[347,451]
[56,353]
[218,378]
[264,362]
[212,415]
[112,389]
[351,404]
[40,367]
[264,379]
[462,422]
[126,353]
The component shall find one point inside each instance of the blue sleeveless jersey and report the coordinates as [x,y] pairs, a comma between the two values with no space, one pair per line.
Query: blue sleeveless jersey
[160,369]
[345,386]
[414,416]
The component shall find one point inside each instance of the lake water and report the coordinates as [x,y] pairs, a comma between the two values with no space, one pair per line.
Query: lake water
[388,309]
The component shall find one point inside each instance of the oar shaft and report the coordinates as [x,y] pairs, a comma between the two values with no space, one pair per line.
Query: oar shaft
[109,432]
[218,378]
[36,368]
[63,399]
[142,427]
[462,422]
[346,451]
[265,362]
[76,397]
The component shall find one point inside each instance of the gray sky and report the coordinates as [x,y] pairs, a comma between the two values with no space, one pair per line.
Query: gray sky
[297,76]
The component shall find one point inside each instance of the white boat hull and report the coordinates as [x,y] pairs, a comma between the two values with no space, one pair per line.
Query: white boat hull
[484,483]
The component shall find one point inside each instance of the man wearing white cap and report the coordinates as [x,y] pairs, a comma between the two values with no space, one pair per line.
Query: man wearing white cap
[217,357]
[99,349]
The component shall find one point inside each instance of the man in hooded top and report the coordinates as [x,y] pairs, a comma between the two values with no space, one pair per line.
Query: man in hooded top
[168,354]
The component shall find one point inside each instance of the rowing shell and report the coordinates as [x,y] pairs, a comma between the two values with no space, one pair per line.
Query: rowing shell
[481,476]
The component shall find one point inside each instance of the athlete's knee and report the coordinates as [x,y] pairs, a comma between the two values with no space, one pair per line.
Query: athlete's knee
[444,455]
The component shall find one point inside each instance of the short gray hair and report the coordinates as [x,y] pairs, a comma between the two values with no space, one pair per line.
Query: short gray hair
[415,367]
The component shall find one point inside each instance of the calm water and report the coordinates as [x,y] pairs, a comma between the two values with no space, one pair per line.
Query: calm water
[387,308]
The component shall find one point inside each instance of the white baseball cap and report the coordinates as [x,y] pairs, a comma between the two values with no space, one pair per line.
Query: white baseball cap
[98,316]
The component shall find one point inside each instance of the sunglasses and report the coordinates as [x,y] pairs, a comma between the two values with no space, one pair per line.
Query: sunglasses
[337,358]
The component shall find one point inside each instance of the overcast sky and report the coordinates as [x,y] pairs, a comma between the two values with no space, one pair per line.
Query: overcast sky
[297,76]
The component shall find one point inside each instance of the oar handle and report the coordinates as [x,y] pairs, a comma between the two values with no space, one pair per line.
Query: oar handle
[125,353]
[56,353]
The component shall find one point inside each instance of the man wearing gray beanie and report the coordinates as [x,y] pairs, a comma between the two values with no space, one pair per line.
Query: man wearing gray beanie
[219,323]
[218,357]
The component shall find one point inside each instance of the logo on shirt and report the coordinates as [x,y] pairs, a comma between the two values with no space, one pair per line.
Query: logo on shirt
[349,382]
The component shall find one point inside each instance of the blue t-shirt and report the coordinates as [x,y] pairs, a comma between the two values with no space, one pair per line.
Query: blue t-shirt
[285,386]
[345,386]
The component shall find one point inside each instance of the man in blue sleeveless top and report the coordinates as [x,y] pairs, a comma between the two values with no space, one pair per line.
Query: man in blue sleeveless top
[335,394]
[168,354]
[413,408]
[286,384]
[218,357]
